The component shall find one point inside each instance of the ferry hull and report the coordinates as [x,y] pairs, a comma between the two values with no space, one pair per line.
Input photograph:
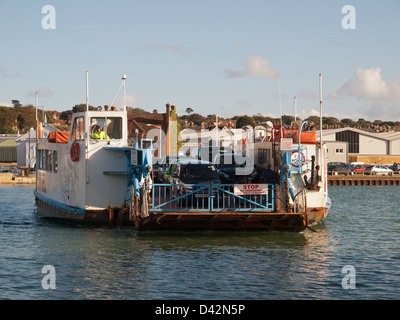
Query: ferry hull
[228,221]
[47,208]
[193,221]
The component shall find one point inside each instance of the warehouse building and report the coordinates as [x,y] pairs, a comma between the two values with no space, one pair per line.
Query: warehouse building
[363,146]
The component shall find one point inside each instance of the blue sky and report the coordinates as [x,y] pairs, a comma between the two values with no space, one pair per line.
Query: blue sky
[221,56]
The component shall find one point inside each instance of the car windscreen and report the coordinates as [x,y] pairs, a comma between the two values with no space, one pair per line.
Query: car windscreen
[198,172]
[233,161]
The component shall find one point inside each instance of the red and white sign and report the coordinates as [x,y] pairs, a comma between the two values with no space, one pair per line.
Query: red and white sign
[243,189]
[295,159]
[286,144]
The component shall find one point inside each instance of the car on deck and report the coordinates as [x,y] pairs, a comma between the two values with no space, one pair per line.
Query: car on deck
[192,178]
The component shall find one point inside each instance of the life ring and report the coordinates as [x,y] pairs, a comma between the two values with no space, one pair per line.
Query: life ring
[74,152]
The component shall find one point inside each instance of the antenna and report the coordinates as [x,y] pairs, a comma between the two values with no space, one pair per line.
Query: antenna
[280,102]
[87,91]
[124,94]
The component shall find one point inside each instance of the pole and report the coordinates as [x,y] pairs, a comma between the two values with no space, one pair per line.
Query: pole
[320,109]
[37,140]
[87,91]
[280,102]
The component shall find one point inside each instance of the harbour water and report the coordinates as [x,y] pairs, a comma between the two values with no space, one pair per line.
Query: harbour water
[361,233]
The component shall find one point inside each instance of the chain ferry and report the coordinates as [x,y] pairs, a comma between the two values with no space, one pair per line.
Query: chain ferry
[91,174]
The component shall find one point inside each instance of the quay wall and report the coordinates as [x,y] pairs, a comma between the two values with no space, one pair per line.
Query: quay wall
[11,179]
[339,180]
[364,180]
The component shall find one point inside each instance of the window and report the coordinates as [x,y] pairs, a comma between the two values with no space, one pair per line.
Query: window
[49,160]
[78,129]
[339,151]
[43,157]
[353,138]
[39,159]
[111,126]
[55,162]
[264,156]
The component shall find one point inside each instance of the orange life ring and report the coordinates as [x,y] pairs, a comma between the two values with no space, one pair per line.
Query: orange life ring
[74,152]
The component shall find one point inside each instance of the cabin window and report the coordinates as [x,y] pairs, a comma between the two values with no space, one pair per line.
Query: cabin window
[78,129]
[264,156]
[43,160]
[339,151]
[55,162]
[49,160]
[39,159]
[106,128]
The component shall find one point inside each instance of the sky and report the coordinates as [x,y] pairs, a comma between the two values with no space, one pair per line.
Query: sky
[225,57]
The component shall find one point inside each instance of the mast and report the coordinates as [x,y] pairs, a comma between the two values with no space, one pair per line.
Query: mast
[124,94]
[87,91]
[280,102]
[37,139]
[320,109]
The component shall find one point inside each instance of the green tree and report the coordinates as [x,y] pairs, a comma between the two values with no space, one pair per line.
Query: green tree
[196,118]
[348,122]
[189,110]
[26,118]
[8,120]
[81,107]
[287,119]
[244,121]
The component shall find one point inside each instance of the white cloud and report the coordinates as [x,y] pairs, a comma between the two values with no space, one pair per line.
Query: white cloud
[255,66]
[6,74]
[244,103]
[42,92]
[131,100]
[5,104]
[381,98]
[367,84]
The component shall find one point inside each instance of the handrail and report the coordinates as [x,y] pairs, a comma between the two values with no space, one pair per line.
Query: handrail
[208,197]
[300,157]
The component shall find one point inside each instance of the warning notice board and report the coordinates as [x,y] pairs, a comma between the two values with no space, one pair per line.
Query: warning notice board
[243,189]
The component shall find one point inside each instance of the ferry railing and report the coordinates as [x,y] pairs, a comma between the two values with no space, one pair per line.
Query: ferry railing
[208,198]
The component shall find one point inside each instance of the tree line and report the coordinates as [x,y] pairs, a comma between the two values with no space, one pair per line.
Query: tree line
[20,118]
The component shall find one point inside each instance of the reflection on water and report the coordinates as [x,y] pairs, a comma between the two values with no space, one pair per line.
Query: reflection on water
[113,263]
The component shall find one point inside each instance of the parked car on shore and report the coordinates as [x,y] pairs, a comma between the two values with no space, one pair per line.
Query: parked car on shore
[395,167]
[360,168]
[378,170]
[343,168]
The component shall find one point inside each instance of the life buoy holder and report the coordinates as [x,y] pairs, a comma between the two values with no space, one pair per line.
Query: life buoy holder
[74,152]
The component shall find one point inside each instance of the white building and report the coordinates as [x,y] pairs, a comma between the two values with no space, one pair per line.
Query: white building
[26,146]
